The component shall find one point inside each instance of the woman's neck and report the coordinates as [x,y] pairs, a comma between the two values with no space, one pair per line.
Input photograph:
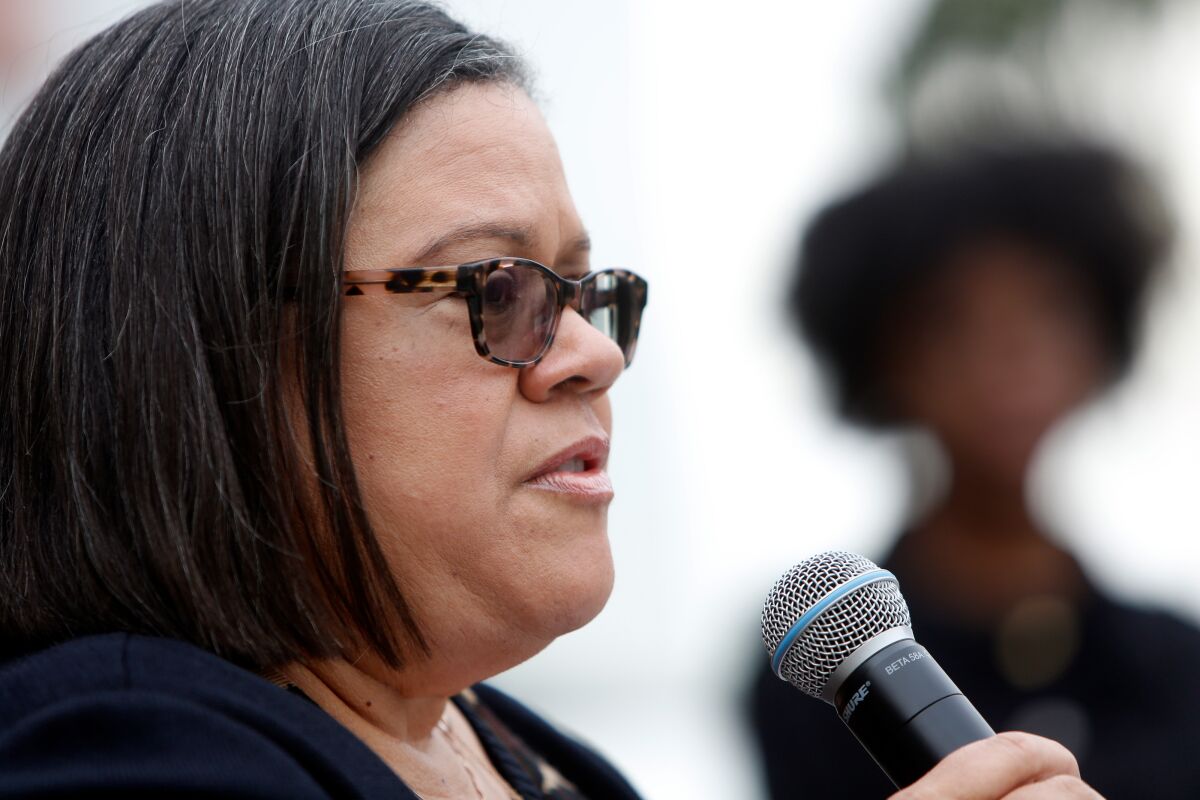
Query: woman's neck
[986,507]
[421,735]
[985,551]
[357,699]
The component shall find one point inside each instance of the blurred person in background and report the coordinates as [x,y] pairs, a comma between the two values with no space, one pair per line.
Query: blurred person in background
[981,298]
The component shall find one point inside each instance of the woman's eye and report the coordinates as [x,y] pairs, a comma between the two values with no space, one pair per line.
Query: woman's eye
[500,290]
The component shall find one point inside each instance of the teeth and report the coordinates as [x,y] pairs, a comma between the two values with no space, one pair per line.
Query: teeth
[574,465]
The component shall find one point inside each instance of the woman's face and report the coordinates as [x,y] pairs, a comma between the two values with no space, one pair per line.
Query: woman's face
[996,348]
[498,544]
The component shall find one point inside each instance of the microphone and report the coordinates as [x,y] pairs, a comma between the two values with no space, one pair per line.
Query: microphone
[838,629]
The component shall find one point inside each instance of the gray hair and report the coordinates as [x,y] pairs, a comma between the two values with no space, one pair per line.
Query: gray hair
[171,235]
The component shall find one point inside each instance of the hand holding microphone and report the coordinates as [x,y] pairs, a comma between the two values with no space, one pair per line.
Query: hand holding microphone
[1008,766]
[838,629]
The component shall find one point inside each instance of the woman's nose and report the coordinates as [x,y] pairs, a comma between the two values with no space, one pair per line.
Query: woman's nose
[581,360]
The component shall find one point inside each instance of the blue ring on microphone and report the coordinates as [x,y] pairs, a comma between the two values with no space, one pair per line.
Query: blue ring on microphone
[875,576]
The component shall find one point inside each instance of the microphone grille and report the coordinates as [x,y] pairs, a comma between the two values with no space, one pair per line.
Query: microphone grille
[837,631]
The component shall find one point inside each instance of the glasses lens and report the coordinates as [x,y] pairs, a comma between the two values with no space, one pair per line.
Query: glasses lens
[612,303]
[519,305]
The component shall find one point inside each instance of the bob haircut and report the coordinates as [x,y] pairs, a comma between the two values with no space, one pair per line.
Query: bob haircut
[864,254]
[174,209]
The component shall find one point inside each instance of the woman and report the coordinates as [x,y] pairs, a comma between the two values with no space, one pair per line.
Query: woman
[982,298]
[287,397]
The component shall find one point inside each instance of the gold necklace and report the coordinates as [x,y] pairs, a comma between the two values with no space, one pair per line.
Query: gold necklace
[467,756]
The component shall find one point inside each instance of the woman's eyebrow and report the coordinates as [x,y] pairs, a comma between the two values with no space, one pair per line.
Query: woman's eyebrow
[522,236]
[572,260]
[582,245]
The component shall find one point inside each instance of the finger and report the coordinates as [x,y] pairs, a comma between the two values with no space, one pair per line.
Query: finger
[992,768]
[1060,787]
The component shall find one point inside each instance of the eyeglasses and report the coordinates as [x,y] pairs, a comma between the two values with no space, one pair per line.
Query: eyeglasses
[515,304]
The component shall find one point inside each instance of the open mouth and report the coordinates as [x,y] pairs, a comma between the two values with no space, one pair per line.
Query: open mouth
[579,470]
[574,465]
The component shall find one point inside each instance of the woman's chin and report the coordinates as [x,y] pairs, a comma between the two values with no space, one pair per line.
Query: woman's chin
[522,617]
[569,595]
[590,600]
[560,607]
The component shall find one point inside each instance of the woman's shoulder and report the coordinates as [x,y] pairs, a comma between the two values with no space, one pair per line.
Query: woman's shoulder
[122,662]
[142,716]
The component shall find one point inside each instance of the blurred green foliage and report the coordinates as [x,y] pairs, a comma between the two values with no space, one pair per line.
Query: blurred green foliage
[986,26]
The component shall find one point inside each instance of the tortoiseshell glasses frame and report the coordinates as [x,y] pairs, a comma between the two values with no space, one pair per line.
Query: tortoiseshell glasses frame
[515,304]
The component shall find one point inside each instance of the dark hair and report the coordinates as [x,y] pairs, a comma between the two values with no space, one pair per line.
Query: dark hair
[174,206]
[863,254]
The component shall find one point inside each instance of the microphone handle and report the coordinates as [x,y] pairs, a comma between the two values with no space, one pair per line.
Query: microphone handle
[906,712]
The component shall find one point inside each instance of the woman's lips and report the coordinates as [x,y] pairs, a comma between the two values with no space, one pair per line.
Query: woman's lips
[592,484]
[578,470]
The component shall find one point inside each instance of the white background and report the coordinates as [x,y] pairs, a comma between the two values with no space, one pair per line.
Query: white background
[697,137]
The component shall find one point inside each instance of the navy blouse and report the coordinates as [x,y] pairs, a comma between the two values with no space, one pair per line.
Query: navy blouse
[138,717]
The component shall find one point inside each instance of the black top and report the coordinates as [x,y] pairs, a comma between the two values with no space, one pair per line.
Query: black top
[138,717]
[1115,684]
